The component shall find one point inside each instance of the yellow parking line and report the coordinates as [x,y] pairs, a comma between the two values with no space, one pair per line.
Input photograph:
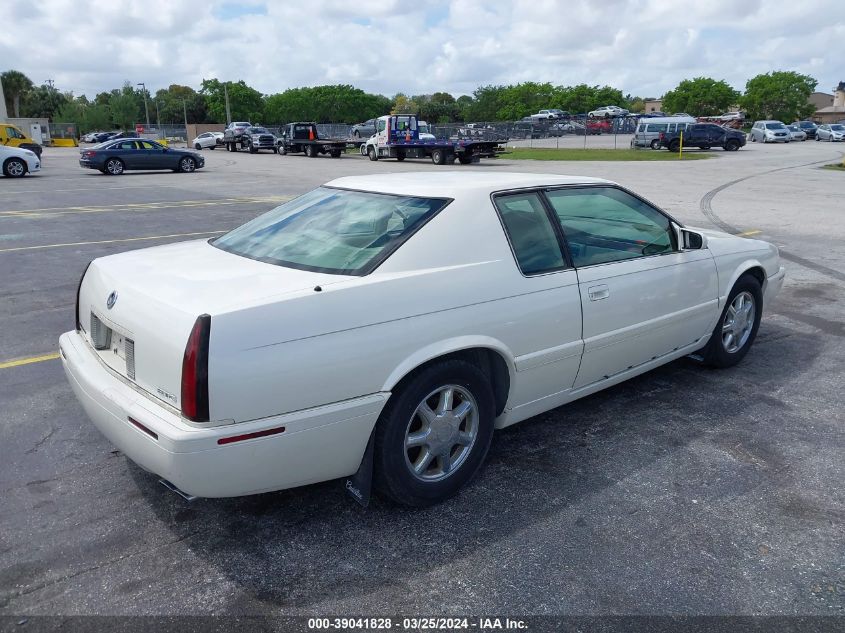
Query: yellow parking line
[749,233]
[126,239]
[27,361]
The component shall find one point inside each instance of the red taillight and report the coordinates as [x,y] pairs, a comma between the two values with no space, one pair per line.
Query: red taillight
[89,154]
[195,371]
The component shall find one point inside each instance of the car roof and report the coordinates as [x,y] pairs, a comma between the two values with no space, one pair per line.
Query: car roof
[449,184]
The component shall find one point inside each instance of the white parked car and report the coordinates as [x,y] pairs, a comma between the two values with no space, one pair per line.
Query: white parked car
[17,162]
[607,111]
[420,311]
[796,133]
[208,140]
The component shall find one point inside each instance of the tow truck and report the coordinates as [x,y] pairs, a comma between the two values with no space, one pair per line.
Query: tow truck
[398,136]
[303,137]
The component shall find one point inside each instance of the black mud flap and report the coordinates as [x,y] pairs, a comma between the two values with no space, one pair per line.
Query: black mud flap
[360,485]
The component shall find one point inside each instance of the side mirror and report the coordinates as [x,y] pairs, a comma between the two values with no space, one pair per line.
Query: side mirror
[690,240]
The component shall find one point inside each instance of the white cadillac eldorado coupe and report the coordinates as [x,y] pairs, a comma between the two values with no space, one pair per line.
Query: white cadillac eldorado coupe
[420,310]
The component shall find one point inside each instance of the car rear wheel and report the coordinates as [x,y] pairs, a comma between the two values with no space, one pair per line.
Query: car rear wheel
[655,144]
[187,164]
[14,168]
[737,328]
[434,434]
[114,166]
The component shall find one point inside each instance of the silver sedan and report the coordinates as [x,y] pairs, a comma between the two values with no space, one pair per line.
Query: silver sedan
[831,132]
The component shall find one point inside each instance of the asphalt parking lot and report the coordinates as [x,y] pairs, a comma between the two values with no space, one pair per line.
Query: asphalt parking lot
[684,491]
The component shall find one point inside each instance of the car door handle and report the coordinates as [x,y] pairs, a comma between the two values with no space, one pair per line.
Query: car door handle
[597,293]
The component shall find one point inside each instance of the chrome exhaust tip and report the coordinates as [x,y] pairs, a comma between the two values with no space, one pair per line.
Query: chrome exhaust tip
[181,493]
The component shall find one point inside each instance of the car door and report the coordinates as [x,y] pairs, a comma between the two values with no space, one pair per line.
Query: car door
[641,296]
[155,156]
[550,321]
[127,152]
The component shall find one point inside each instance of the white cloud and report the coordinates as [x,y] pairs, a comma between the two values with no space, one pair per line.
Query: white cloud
[643,47]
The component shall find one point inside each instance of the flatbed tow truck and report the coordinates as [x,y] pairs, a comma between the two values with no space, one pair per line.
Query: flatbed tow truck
[303,137]
[398,136]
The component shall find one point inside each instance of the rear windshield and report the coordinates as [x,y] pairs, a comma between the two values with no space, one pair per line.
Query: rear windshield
[332,230]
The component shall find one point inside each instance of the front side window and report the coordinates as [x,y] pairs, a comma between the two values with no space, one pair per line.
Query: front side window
[530,232]
[604,224]
[334,231]
[13,133]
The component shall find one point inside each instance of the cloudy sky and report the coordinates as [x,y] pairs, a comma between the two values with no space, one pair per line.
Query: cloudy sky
[643,47]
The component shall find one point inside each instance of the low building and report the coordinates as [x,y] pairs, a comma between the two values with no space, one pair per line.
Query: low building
[653,105]
[835,112]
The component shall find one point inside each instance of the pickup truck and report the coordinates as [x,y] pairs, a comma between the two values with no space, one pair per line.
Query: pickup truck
[12,136]
[703,136]
[233,135]
[303,137]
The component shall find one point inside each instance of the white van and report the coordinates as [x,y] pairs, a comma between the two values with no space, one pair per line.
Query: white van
[648,130]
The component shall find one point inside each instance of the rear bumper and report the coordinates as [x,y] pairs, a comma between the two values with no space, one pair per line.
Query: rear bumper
[317,444]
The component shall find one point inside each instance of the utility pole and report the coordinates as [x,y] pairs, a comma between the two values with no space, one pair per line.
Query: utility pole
[146,111]
[228,112]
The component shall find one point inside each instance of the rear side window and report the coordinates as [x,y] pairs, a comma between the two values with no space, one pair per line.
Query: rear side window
[657,127]
[530,232]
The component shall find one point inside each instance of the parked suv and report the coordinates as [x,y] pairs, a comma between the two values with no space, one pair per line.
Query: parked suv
[808,127]
[769,132]
[704,136]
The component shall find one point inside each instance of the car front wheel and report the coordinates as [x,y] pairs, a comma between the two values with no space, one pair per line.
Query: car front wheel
[737,328]
[187,164]
[434,433]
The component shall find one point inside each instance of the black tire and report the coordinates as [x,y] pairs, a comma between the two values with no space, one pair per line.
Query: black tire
[14,168]
[703,147]
[252,149]
[674,146]
[275,150]
[400,156]
[463,159]
[655,144]
[197,146]
[114,166]
[731,145]
[311,151]
[438,157]
[335,153]
[372,154]
[187,165]
[715,353]
[392,476]
[213,147]
[283,150]
[356,134]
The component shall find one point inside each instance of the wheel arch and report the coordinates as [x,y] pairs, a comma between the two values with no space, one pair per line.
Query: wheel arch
[750,266]
[488,354]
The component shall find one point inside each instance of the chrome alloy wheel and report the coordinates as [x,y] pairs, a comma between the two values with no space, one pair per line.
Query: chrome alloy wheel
[15,168]
[738,322]
[441,433]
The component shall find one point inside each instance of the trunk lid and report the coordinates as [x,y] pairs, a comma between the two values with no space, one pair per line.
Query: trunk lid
[137,308]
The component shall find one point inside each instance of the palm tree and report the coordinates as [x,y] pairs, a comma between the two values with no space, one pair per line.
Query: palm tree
[15,86]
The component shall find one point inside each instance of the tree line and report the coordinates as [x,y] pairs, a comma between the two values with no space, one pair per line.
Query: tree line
[779,95]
